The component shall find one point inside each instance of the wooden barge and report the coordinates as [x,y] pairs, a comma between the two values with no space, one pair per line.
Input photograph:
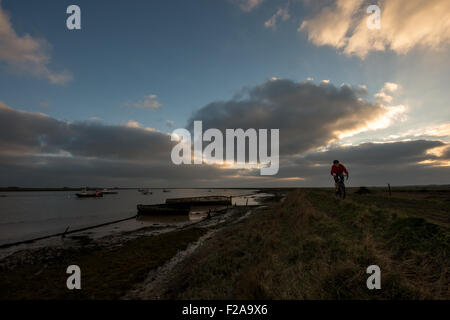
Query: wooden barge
[202,201]
[182,206]
[163,209]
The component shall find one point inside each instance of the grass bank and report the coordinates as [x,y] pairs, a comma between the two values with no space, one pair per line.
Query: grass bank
[313,246]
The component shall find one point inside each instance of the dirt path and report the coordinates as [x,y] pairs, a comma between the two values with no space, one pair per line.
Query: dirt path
[159,280]
[160,277]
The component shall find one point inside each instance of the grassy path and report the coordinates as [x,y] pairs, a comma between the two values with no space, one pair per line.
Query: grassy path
[314,246]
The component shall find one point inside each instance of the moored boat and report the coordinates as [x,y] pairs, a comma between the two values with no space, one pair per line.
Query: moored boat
[86,194]
[163,209]
[146,192]
[202,201]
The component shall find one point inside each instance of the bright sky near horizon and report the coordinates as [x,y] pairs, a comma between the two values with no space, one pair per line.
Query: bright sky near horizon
[377,99]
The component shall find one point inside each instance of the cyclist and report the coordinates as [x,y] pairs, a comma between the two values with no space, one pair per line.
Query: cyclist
[337,171]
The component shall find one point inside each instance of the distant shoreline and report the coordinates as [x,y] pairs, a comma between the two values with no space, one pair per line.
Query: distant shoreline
[20,189]
[261,189]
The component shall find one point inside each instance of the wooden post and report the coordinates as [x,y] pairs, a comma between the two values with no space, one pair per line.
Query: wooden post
[389,187]
[65,231]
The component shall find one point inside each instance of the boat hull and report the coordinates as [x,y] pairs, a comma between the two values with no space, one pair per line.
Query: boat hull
[163,210]
[202,201]
[88,195]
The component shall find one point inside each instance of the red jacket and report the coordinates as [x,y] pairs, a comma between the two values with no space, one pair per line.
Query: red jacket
[338,170]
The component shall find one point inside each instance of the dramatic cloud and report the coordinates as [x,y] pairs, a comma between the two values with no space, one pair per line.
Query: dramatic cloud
[330,26]
[247,5]
[25,54]
[309,116]
[148,102]
[281,14]
[439,130]
[384,94]
[38,150]
[27,133]
[405,24]
[403,153]
[398,163]
[47,171]
[132,124]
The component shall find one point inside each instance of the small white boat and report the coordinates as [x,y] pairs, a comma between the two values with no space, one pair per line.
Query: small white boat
[145,191]
[89,194]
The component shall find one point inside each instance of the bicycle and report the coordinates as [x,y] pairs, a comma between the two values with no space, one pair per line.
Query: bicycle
[340,191]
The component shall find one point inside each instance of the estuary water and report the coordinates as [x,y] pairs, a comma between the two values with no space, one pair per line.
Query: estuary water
[28,215]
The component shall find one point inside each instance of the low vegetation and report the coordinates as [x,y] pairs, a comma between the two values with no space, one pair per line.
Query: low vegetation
[314,246]
[310,246]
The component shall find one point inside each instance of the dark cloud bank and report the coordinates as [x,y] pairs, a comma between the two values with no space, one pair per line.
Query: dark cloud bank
[39,151]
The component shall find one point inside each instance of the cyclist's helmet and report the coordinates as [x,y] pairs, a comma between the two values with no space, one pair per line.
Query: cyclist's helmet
[335,161]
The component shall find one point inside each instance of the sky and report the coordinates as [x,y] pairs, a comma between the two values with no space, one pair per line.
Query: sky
[97,106]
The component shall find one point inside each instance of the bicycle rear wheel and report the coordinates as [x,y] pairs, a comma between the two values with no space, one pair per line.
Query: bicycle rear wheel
[342,190]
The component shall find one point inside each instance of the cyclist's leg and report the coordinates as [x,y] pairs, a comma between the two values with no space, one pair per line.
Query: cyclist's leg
[339,185]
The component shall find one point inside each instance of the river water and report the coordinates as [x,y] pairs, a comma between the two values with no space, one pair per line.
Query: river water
[28,215]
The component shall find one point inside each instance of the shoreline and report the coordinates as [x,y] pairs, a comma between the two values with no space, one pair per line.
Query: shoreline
[41,263]
[63,234]
[29,223]
[25,189]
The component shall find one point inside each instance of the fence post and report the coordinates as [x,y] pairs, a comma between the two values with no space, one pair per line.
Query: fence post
[65,231]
